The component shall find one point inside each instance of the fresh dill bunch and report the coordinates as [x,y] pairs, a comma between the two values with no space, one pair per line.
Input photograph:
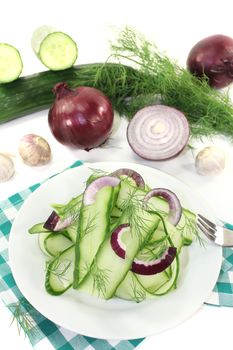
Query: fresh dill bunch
[154,77]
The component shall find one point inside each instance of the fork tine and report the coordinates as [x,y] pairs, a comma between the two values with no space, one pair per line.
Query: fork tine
[206,232]
[210,229]
[208,222]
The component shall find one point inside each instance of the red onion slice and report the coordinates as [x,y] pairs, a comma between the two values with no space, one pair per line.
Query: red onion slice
[54,223]
[138,266]
[116,240]
[158,132]
[96,185]
[154,266]
[175,209]
[132,174]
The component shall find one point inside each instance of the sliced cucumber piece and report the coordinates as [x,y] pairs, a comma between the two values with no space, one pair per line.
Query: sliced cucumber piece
[11,64]
[55,49]
[72,231]
[39,35]
[94,226]
[186,226]
[59,273]
[56,243]
[38,228]
[41,239]
[160,284]
[131,289]
[108,269]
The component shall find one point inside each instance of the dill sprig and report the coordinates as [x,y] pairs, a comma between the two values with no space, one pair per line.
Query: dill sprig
[59,268]
[138,294]
[22,314]
[189,228]
[100,279]
[90,224]
[155,77]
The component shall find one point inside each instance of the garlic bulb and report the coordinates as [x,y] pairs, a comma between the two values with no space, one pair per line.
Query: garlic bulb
[7,168]
[34,150]
[210,161]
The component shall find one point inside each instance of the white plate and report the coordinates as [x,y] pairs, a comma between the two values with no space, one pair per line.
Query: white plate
[113,319]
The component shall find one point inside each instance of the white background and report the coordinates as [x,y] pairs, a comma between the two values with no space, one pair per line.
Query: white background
[175,26]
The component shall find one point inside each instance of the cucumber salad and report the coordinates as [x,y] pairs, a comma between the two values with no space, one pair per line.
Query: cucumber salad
[119,238]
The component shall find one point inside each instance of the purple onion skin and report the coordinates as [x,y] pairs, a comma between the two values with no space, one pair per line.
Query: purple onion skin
[158,266]
[52,221]
[80,117]
[213,56]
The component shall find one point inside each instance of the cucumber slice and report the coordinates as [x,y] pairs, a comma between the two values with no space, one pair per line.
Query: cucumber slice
[108,269]
[187,224]
[160,284]
[39,35]
[38,228]
[131,289]
[56,243]
[59,273]
[58,51]
[94,225]
[11,64]
[41,239]
[72,231]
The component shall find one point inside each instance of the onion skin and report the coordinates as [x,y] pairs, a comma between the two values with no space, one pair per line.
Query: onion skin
[81,117]
[213,57]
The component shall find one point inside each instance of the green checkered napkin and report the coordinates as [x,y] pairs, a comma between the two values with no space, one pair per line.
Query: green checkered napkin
[43,332]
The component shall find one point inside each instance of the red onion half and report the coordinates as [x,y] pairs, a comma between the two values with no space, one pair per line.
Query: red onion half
[158,132]
[175,209]
[213,57]
[81,117]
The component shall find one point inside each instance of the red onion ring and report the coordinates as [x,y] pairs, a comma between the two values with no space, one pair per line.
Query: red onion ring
[158,132]
[130,173]
[138,266]
[54,223]
[155,266]
[116,242]
[175,209]
[96,185]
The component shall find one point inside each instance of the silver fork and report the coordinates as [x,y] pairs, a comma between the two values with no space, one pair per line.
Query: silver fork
[219,234]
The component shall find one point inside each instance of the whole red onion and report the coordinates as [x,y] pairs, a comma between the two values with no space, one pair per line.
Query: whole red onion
[213,57]
[80,117]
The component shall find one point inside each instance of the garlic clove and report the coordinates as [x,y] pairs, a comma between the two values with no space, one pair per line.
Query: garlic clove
[34,150]
[7,168]
[210,161]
